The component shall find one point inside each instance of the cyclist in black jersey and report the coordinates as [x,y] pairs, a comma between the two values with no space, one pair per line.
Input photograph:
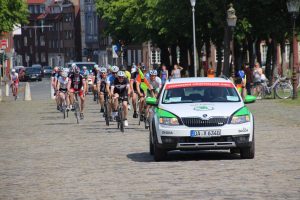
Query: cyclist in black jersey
[102,86]
[120,88]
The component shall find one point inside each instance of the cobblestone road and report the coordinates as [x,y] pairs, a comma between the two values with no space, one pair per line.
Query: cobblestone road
[43,156]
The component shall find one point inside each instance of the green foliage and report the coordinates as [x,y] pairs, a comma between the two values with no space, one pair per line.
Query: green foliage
[12,12]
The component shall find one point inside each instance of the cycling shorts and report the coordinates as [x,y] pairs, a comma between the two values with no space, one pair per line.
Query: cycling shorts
[80,91]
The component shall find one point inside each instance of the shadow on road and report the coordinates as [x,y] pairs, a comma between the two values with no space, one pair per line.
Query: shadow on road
[186,156]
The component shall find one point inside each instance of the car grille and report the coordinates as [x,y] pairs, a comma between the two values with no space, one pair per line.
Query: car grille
[198,122]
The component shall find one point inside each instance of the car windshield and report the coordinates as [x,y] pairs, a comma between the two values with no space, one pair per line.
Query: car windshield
[192,94]
[33,70]
[48,67]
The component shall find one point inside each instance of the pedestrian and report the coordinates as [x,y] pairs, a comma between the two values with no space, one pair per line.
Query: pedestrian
[164,74]
[249,78]
[176,72]
[257,72]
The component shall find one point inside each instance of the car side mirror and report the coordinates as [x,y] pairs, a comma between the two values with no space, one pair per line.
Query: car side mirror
[250,99]
[151,101]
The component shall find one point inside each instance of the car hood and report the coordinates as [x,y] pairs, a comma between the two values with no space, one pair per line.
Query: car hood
[199,109]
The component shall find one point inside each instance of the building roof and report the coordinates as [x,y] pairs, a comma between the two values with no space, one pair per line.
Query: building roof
[36,1]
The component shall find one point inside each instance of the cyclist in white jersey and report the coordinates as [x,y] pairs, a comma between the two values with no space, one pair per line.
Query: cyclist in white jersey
[62,88]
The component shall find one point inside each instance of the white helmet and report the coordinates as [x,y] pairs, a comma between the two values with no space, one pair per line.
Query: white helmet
[13,70]
[121,74]
[103,70]
[74,65]
[96,66]
[84,67]
[153,72]
[114,69]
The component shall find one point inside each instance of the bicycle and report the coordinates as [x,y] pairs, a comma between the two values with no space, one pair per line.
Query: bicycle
[76,106]
[280,88]
[120,118]
[63,106]
[106,104]
[14,90]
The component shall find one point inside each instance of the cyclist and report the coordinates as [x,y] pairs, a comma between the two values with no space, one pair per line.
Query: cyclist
[54,78]
[62,88]
[102,86]
[133,89]
[14,78]
[155,86]
[120,88]
[76,83]
[85,74]
[240,82]
[110,80]
[94,73]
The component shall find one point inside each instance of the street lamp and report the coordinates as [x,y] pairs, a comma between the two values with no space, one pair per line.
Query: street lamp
[193,3]
[231,22]
[293,8]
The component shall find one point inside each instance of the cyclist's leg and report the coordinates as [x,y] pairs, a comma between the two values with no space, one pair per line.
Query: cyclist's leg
[16,89]
[71,96]
[81,100]
[125,106]
[134,101]
[115,102]
[101,99]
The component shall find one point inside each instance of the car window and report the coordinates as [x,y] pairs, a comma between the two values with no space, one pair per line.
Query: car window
[200,94]
[33,70]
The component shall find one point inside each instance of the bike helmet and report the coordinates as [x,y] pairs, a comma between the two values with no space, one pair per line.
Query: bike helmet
[153,72]
[103,70]
[240,74]
[144,68]
[13,70]
[56,68]
[84,67]
[74,65]
[96,66]
[114,69]
[121,74]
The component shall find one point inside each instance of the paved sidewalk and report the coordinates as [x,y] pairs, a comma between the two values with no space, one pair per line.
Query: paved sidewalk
[45,157]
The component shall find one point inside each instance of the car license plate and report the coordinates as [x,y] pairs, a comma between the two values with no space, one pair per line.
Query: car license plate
[206,133]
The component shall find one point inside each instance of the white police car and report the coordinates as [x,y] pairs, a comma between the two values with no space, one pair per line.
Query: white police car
[200,113]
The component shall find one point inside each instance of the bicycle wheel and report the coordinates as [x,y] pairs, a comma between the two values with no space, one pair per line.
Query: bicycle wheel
[283,90]
[106,114]
[76,106]
[121,120]
[64,110]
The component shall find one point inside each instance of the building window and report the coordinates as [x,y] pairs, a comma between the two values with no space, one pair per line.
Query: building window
[30,33]
[25,41]
[37,57]
[42,8]
[264,50]
[30,49]
[129,57]
[31,9]
[287,52]
[155,57]
[216,57]
[42,40]
[139,56]
[43,57]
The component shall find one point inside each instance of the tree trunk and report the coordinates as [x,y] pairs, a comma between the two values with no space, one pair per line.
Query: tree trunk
[251,52]
[219,58]
[274,59]
[269,59]
[283,56]
[165,56]
[257,51]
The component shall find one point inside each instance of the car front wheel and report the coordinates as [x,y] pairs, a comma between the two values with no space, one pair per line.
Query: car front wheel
[248,152]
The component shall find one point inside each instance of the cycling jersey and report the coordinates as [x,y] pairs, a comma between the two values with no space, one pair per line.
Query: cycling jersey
[103,82]
[63,84]
[85,74]
[110,79]
[121,88]
[14,77]
[55,75]
[76,81]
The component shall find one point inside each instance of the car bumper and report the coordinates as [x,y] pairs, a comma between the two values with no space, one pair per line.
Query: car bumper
[232,136]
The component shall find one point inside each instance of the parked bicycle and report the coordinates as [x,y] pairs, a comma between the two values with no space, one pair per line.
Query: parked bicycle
[281,88]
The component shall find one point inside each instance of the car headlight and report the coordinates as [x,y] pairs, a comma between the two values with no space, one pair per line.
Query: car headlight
[241,116]
[167,118]
[169,121]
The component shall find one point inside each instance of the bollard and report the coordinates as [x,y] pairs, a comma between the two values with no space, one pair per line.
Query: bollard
[27,93]
[6,89]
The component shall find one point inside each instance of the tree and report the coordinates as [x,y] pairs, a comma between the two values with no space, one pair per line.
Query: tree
[12,13]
